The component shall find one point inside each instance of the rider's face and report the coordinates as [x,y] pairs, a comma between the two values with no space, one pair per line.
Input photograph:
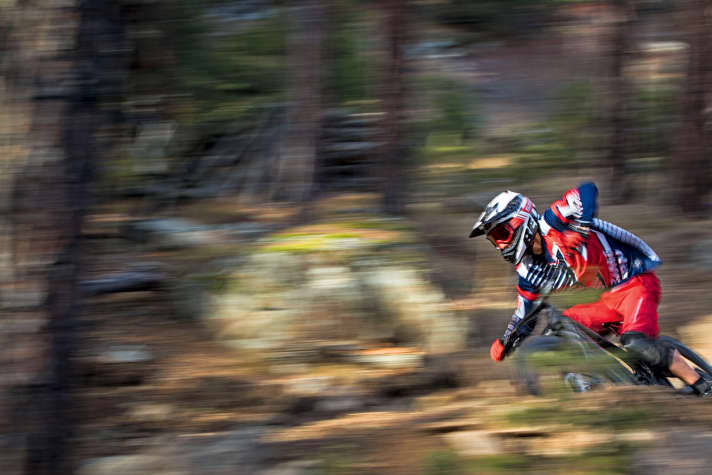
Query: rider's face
[536,245]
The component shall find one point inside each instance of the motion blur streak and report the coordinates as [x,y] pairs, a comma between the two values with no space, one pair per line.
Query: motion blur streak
[234,232]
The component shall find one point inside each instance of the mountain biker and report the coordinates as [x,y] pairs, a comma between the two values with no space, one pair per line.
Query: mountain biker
[569,246]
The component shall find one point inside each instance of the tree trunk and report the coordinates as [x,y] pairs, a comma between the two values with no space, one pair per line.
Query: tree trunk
[298,153]
[694,138]
[621,186]
[73,74]
[394,151]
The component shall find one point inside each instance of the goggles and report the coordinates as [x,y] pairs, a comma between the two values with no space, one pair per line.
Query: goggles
[501,235]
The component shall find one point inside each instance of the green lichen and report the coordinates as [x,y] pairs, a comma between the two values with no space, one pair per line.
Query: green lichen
[602,459]
[613,419]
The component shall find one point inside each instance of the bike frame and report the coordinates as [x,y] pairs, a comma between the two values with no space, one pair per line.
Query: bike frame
[628,371]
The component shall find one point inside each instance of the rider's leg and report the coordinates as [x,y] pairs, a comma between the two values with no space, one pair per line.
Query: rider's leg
[648,349]
[682,370]
[656,353]
[638,302]
[593,315]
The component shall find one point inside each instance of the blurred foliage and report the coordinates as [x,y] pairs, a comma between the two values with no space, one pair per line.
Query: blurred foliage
[346,70]
[621,418]
[443,462]
[568,136]
[610,458]
[495,16]
[220,72]
[574,123]
[452,117]
[653,119]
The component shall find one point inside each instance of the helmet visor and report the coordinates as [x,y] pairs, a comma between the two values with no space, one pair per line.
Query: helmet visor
[501,235]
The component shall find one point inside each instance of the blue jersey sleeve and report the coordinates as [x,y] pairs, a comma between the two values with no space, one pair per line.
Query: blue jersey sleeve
[576,208]
[588,193]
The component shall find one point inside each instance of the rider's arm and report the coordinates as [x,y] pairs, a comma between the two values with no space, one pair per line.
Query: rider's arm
[525,299]
[531,280]
[526,296]
[573,214]
[575,210]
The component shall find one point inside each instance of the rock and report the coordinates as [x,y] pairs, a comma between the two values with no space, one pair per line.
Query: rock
[243,11]
[417,309]
[174,233]
[125,354]
[568,443]
[389,357]
[311,385]
[188,298]
[473,443]
[19,300]
[118,365]
[638,436]
[129,281]
[150,412]
[129,465]
[333,405]
[429,48]
[244,230]
[238,451]
[346,133]
[349,149]
[656,47]
[149,149]
[297,467]
[297,290]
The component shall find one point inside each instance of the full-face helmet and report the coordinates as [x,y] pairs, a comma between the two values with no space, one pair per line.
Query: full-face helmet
[510,222]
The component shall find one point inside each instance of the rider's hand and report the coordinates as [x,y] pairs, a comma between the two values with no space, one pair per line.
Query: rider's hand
[497,350]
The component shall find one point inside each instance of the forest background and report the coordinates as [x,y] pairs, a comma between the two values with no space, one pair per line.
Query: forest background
[234,231]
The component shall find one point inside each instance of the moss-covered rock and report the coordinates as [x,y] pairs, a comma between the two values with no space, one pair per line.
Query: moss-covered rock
[344,281]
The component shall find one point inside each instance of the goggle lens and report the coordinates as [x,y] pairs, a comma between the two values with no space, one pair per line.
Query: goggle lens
[501,235]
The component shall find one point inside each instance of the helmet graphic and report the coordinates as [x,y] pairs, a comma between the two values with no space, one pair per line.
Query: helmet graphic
[510,223]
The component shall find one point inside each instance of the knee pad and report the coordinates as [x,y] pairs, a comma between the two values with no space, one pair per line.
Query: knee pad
[650,350]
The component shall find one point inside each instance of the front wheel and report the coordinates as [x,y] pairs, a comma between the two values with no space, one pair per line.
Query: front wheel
[549,363]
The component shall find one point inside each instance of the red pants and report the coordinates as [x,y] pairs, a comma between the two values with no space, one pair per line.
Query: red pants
[632,306]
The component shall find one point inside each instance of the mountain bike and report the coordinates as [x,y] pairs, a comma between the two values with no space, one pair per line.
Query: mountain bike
[583,359]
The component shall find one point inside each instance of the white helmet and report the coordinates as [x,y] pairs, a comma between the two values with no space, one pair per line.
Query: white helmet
[510,222]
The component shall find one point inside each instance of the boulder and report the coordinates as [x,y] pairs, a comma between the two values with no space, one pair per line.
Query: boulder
[237,451]
[169,233]
[297,467]
[128,465]
[473,443]
[298,292]
[117,365]
[418,310]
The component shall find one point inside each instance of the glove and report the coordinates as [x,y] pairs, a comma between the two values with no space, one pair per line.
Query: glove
[497,350]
